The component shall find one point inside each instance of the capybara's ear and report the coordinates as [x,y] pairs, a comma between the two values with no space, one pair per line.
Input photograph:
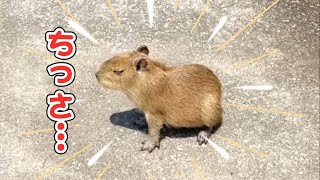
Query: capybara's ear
[143,49]
[140,64]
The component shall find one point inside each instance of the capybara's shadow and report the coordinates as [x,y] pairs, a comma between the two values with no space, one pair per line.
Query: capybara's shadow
[135,119]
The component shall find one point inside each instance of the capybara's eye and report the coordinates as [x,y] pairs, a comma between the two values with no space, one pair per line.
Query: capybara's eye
[118,72]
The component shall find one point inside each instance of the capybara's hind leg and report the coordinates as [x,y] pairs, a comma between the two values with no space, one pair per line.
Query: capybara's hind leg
[207,134]
[200,138]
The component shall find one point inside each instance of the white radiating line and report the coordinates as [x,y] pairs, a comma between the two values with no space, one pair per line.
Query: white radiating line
[81,30]
[221,23]
[263,87]
[217,148]
[95,158]
[150,11]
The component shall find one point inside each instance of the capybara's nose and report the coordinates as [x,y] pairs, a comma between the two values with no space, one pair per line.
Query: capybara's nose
[97,75]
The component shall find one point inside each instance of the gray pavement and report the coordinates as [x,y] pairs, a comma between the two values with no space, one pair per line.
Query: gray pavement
[262,144]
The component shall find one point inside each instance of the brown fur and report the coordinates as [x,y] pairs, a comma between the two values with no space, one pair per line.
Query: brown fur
[185,96]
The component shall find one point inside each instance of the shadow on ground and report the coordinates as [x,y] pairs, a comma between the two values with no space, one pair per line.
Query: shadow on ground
[135,119]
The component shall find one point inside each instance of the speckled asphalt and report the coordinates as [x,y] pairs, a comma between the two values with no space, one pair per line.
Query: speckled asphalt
[262,144]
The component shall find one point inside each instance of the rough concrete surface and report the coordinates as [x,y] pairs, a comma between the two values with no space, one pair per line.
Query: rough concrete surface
[269,145]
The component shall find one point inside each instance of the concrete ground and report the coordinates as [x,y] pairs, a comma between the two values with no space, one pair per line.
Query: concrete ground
[262,143]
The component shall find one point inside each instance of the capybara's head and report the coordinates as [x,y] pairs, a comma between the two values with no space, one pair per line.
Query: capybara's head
[122,71]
